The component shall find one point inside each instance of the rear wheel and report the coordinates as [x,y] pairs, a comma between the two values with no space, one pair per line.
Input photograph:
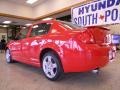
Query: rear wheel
[8,56]
[51,66]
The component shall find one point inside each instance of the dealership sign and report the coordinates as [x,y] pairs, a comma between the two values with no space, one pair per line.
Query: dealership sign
[100,12]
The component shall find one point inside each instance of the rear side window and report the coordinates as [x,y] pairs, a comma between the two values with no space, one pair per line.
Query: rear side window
[40,29]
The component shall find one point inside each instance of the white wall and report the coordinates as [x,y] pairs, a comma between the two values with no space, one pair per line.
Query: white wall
[15,9]
[49,6]
[114,29]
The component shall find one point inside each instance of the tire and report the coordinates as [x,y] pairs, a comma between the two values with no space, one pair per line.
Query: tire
[51,66]
[8,56]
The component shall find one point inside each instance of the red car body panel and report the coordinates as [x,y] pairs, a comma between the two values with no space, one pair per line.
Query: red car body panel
[75,54]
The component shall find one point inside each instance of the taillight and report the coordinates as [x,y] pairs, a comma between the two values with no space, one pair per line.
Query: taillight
[86,37]
[108,38]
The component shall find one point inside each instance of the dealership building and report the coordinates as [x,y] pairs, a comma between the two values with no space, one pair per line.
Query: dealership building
[59,44]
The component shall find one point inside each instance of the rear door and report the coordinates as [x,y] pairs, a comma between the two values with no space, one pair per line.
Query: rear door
[33,43]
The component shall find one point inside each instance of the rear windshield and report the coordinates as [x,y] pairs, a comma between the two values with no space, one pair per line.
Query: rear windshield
[70,25]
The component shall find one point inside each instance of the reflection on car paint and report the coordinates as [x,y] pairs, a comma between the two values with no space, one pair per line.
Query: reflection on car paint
[34,43]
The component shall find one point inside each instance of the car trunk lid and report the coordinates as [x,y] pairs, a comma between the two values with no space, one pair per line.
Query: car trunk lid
[99,34]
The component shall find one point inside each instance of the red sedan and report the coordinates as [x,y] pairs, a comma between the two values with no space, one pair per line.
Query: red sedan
[60,47]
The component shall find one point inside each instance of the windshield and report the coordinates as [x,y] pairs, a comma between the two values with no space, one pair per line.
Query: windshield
[70,25]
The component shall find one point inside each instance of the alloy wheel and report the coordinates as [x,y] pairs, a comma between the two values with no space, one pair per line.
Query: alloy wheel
[8,56]
[49,67]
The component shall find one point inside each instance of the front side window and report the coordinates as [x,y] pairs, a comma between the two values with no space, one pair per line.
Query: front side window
[40,29]
[22,34]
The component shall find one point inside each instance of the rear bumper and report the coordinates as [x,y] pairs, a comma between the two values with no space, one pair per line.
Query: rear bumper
[96,59]
[86,60]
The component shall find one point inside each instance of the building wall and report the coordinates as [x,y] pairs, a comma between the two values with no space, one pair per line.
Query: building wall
[49,6]
[45,7]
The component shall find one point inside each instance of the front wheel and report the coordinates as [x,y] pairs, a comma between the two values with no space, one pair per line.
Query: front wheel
[8,56]
[51,66]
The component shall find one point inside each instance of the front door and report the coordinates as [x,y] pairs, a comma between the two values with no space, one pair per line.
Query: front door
[16,50]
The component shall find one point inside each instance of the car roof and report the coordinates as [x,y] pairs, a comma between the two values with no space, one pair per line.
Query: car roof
[43,21]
